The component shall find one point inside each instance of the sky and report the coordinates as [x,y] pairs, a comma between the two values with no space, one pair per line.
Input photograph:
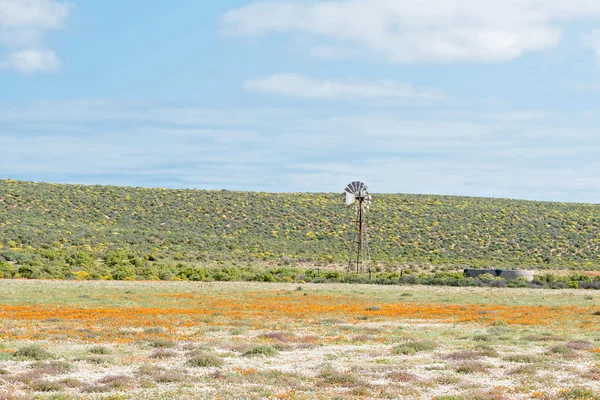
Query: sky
[457,97]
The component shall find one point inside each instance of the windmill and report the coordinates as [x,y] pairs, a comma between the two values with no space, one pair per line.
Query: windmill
[359,199]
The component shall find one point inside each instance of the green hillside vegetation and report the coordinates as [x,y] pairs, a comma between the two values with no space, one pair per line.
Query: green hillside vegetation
[52,230]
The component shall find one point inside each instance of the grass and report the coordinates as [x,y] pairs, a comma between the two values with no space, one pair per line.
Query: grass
[140,340]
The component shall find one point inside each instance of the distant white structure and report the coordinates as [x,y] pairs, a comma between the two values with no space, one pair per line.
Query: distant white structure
[504,274]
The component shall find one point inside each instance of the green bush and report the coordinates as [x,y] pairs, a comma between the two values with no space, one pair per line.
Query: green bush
[7,270]
[34,352]
[205,360]
[264,350]
[413,347]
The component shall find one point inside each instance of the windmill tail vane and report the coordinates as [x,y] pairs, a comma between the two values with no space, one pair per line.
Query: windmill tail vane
[358,198]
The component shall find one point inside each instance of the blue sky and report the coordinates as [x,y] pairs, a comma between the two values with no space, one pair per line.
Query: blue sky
[465,97]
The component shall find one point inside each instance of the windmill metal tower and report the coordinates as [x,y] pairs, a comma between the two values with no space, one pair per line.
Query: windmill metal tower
[359,199]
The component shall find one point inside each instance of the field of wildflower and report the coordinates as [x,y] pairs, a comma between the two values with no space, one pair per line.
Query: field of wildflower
[186,340]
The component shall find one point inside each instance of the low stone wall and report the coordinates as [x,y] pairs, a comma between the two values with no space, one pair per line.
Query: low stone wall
[504,274]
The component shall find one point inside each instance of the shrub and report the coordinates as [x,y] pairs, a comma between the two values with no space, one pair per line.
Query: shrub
[517,283]
[279,336]
[471,368]
[163,344]
[123,272]
[487,277]
[116,381]
[34,352]
[401,376]
[99,350]
[579,345]
[521,358]
[70,383]
[413,347]
[81,275]
[561,349]
[7,270]
[53,368]
[161,354]
[45,386]
[169,377]
[471,355]
[266,351]
[333,377]
[404,350]
[205,360]
[523,370]
[26,271]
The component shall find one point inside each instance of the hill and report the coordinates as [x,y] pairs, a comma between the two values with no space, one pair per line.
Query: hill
[70,225]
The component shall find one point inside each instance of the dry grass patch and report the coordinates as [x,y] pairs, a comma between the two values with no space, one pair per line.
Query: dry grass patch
[162,375]
[46,386]
[71,383]
[27,377]
[471,354]
[279,336]
[53,367]
[447,380]
[401,376]
[110,383]
[162,354]
[330,376]
[543,338]
[592,374]
[471,367]
[523,370]
[579,345]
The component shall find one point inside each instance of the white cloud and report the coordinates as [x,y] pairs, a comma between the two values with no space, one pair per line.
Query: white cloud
[23,25]
[29,61]
[43,14]
[408,31]
[297,85]
[526,154]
